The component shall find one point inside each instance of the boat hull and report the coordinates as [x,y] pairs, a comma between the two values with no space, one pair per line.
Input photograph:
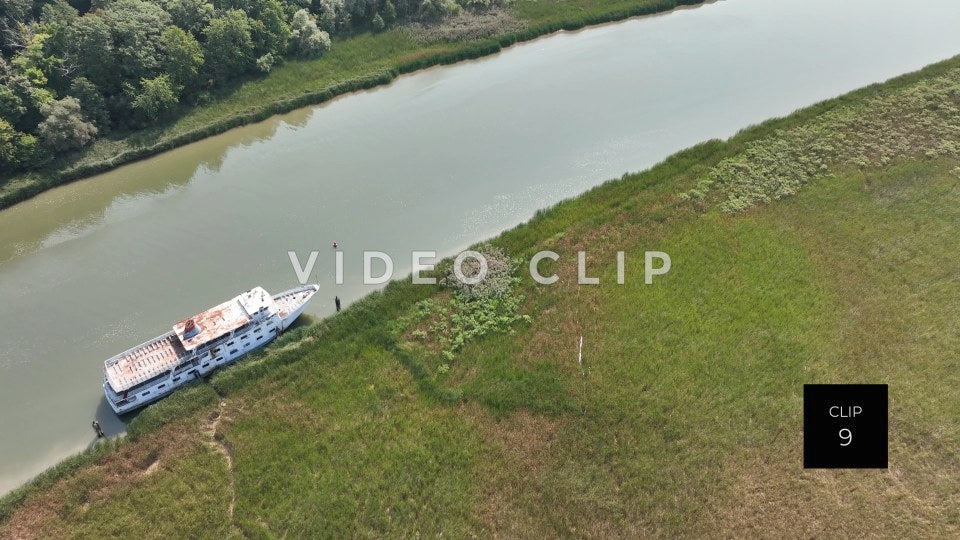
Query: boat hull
[293,302]
[162,388]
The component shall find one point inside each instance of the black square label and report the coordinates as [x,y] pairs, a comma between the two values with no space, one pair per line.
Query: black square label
[845,426]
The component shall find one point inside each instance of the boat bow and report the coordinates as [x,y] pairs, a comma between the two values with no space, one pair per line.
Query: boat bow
[291,303]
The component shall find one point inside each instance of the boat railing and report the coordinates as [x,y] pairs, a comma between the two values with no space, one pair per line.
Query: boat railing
[140,351]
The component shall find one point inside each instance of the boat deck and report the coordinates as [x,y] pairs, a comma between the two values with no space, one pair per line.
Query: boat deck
[290,301]
[144,362]
[222,319]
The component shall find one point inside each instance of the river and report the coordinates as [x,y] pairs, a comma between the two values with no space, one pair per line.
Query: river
[437,160]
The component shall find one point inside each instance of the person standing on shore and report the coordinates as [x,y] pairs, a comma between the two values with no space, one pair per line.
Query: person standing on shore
[98,429]
[336,300]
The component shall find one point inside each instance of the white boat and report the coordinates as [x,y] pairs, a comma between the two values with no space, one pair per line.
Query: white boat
[198,345]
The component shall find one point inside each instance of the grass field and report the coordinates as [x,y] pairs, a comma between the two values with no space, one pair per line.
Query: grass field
[684,418]
[354,63]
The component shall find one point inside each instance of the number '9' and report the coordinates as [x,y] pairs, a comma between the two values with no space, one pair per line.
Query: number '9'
[846,436]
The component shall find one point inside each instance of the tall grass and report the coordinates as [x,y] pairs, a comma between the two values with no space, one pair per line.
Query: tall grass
[921,119]
[11,501]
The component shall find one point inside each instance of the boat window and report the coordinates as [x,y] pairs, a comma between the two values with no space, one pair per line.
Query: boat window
[233,351]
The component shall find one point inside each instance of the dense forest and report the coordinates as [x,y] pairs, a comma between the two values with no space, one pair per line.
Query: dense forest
[73,70]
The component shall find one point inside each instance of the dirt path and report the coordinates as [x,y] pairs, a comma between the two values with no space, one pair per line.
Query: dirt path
[218,442]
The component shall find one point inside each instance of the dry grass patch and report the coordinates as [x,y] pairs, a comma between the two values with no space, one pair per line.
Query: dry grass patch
[519,448]
[466,26]
[81,497]
[772,497]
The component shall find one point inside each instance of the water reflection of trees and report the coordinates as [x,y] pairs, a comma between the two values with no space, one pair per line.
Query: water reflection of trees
[85,203]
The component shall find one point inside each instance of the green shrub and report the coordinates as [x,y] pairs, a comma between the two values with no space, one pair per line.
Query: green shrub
[474,310]
[377,23]
[64,126]
[156,98]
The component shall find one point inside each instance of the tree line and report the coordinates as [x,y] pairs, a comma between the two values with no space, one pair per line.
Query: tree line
[72,70]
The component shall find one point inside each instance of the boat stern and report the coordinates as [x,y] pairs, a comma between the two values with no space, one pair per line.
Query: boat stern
[117,402]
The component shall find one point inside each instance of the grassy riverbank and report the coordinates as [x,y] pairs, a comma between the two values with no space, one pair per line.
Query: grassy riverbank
[354,63]
[685,417]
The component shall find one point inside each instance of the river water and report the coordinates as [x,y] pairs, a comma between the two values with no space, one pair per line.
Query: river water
[435,161]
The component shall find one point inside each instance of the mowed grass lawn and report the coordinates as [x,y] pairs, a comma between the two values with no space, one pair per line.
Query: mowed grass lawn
[684,418]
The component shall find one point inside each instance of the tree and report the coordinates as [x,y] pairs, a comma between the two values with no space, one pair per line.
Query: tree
[270,29]
[307,39]
[8,145]
[406,7]
[90,46]
[265,63]
[91,101]
[64,126]
[437,9]
[184,57]
[229,45]
[357,9]
[377,23]
[389,12]
[191,15]
[32,96]
[136,28]
[17,150]
[328,12]
[34,57]
[83,6]
[16,10]
[156,98]
[11,105]
[59,12]
[55,18]
[14,16]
